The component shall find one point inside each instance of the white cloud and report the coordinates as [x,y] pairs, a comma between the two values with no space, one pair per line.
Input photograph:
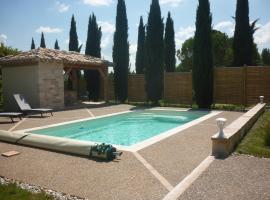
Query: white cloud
[183,34]
[262,35]
[133,48]
[97,2]
[61,7]
[3,38]
[225,26]
[106,27]
[106,41]
[132,57]
[172,3]
[47,29]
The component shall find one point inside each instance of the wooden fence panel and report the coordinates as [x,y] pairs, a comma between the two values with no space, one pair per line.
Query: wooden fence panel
[178,87]
[258,84]
[229,85]
[136,88]
[232,85]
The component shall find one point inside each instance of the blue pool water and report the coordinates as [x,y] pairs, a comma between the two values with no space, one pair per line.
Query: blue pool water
[123,129]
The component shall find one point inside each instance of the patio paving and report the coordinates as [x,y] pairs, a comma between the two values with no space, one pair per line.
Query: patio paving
[174,158]
[238,177]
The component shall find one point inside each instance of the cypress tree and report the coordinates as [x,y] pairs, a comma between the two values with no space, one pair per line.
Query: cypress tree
[33,46]
[93,38]
[169,45]
[140,48]
[154,56]
[243,35]
[42,41]
[202,73]
[121,52]
[56,46]
[73,46]
[73,37]
[93,49]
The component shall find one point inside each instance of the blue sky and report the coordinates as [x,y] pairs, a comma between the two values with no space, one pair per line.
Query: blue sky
[20,20]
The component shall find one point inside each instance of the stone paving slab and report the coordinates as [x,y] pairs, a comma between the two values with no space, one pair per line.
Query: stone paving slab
[176,156]
[125,179]
[237,177]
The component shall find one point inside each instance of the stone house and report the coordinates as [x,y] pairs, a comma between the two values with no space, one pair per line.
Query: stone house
[39,75]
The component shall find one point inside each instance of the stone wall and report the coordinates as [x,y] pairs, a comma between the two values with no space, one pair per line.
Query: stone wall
[51,85]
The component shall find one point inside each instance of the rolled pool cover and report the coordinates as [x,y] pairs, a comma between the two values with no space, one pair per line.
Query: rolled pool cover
[47,142]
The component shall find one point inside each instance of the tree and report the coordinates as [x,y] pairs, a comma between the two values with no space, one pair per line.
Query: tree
[185,55]
[5,50]
[243,43]
[121,52]
[154,48]
[33,46]
[140,48]
[169,45]
[222,49]
[73,37]
[222,52]
[73,46]
[266,56]
[56,46]
[42,41]
[93,49]
[93,38]
[202,72]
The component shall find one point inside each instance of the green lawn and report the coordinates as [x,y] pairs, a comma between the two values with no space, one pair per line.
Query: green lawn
[257,141]
[12,192]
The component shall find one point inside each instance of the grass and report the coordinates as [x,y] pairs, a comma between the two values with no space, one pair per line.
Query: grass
[13,192]
[257,141]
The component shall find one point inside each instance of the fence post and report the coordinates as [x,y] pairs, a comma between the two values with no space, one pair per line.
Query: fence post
[245,85]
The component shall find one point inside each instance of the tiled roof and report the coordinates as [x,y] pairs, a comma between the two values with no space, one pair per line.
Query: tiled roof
[52,55]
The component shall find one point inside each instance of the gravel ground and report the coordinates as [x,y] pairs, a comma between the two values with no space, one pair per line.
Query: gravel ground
[238,177]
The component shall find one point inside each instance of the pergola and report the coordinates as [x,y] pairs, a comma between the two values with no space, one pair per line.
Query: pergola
[39,75]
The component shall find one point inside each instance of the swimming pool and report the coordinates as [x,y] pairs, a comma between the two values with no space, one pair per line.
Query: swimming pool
[123,129]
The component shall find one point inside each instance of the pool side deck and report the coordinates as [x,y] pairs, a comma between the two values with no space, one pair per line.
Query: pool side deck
[170,160]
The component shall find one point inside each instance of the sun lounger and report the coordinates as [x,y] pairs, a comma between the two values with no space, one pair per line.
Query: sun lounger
[26,108]
[11,115]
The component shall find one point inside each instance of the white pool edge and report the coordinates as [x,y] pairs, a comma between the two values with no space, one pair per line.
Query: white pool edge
[132,148]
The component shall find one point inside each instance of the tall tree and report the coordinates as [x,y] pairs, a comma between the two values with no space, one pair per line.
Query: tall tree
[154,56]
[140,48]
[73,46]
[266,56]
[169,45]
[42,41]
[202,72]
[33,46]
[73,37]
[56,46]
[93,38]
[121,52]
[93,49]
[243,47]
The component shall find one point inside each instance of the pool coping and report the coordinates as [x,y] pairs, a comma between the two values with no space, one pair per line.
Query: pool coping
[133,148]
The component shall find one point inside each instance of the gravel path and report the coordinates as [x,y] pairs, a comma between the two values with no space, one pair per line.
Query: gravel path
[237,177]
